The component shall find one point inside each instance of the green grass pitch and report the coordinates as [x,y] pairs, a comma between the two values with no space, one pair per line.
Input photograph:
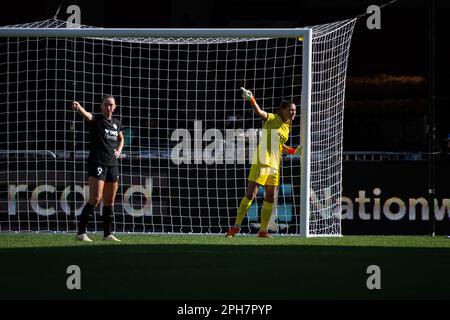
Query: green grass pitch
[212,267]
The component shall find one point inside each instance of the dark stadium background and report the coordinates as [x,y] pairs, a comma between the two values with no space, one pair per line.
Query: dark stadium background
[387,90]
[387,96]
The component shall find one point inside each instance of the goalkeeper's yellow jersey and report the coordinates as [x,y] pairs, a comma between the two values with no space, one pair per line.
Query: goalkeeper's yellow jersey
[274,131]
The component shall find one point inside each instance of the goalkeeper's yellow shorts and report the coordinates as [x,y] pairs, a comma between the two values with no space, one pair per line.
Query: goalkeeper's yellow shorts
[264,175]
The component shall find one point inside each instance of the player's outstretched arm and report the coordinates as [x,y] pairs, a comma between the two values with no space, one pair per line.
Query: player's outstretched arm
[248,95]
[78,107]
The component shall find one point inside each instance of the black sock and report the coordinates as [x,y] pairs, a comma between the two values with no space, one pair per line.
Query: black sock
[86,214]
[107,220]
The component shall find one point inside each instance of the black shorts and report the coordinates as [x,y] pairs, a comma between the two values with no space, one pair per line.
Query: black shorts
[102,172]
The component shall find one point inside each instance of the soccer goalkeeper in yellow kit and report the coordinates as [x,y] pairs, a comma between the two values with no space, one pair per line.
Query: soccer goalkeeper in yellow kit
[265,169]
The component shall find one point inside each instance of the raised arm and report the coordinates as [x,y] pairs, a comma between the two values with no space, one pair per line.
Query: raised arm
[86,115]
[247,95]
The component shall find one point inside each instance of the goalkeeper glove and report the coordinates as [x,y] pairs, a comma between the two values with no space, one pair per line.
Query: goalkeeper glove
[296,151]
[248,95]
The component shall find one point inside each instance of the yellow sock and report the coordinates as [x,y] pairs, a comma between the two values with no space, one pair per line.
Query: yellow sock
[266,212]
[242,211]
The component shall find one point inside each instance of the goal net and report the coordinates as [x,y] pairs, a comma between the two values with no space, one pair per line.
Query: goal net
[188,133]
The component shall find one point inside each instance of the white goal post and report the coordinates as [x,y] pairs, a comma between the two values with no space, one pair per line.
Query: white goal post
[189,75]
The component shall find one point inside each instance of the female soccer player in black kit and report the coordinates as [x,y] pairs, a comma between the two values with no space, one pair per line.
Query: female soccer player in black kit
[106,145]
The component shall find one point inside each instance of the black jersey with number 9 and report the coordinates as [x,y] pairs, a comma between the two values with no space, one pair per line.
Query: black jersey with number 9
[104,135]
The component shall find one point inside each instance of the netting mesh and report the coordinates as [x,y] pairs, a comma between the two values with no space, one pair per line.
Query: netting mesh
[56,24]
[330,50]
[163,86]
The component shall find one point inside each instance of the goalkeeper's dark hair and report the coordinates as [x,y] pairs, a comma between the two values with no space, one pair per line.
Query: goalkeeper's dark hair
[284,104]
[107,97]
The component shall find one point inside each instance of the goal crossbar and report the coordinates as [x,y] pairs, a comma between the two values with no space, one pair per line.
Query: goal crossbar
[154,32]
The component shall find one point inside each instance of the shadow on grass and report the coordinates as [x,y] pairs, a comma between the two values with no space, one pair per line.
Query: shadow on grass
[224,272]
